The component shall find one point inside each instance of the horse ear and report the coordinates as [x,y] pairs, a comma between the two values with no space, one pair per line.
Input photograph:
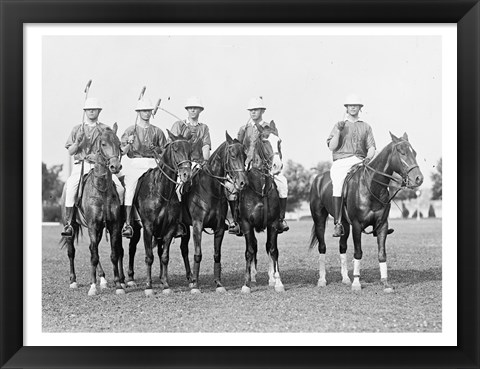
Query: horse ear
[227,136]
[115,127]
[394,138]
[405,136]
[273,126]
[171,135]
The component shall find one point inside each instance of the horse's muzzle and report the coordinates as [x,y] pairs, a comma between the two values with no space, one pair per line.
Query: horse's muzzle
[185,173]
[115,167]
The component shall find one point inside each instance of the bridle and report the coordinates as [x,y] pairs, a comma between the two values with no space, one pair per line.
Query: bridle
[176,166]
[230,171]
[406,169]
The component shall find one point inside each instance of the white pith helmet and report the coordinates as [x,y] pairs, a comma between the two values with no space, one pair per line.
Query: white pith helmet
[144,104]
[194,102]
[353,100]
[92,103]
[256,103]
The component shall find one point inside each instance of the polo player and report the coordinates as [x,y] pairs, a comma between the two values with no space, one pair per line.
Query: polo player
[248,136]
[83,144]
[140,143]
[351,142]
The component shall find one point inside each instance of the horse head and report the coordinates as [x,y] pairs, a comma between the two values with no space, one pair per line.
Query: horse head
[234,162]
[109,149]
[177,154]
[404,162]
[267,148]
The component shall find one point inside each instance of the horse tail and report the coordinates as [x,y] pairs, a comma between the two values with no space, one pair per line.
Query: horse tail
[313,238]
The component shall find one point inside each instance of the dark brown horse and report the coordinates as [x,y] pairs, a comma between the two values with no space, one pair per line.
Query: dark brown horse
[159,208]
[366,203]
[206,205]
[99,209]
[259,208]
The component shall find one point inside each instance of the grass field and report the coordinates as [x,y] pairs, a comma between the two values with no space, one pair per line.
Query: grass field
[414,255]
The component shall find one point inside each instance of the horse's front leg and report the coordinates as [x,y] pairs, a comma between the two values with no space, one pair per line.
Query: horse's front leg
[250,253]
[272,250]
[71,257]
[357,255]
[197,258]
[116,254]
[95,234]
[164,259]
[217,256]
[101,274]
[382,257]
[186,262]
[132,249]
[148,240]
[342,243]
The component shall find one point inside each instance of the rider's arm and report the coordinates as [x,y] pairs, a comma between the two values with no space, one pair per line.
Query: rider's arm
[125,146]
[334,138]
[206,143]
[370,153]
[72,145]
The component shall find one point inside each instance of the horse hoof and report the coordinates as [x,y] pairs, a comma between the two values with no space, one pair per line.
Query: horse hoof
[389,289]
[321,283]
[149,292]
[347,281]
[190,285]
[221,290]
[356,287]
[92,291]
[73,285]
[123,285]
[166,291]
[279,288]
[120,291]
[195,290]
[271,283]
[103,283]
[245,289]
[131,284]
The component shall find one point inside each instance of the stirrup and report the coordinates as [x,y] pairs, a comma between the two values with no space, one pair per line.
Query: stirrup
[338,230]
[235,229]
[127,231]
[67,231]
[282,226]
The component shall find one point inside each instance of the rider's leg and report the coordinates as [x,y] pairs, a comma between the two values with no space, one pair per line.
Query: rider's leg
[130,186]
[70,193]
[282,187]
[337,213]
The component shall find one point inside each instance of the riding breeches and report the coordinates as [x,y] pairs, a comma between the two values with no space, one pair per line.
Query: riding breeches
[280,181]
[133,170]
[74,180]
[338,172]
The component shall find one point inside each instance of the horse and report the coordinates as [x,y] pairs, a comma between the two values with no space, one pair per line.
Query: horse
[366,203]
[205,205]
[259,207]
[159,208]
[100,208]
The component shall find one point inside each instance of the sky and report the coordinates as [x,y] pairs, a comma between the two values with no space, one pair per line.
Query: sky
[303,80]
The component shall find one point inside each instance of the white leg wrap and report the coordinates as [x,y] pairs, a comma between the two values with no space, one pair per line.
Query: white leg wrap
[356,268]
[321,267]
[343,265]
[271,279]
[253,272]
[383,270]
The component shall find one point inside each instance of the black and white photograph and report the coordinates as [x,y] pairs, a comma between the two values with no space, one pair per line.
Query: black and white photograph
[236,180]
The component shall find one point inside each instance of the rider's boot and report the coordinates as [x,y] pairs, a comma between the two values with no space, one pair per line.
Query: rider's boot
[68,229]
[282,224]
[127,230]
[234,227]
[181,229]
[337,212]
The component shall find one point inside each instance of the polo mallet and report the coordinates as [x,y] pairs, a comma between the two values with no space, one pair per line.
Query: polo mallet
[139,98]
[87,88]
[156,107]
[166,111]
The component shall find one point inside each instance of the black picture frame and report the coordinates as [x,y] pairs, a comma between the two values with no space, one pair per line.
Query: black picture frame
[14,14]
